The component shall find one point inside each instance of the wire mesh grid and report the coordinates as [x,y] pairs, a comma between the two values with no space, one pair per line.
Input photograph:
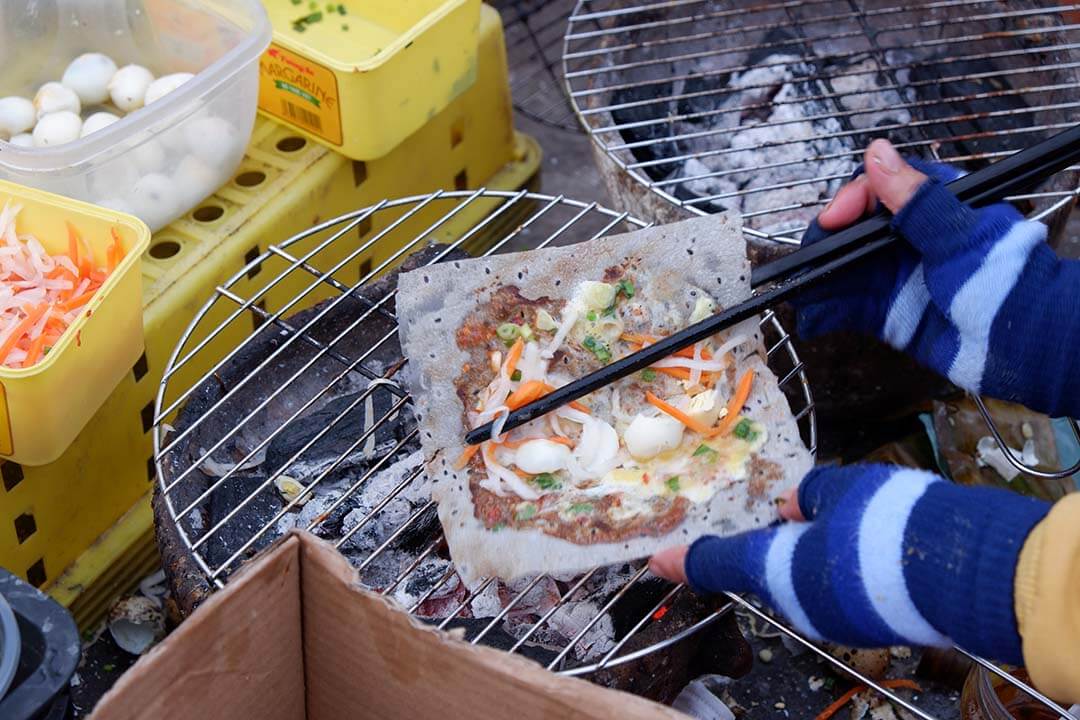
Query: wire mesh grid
[204,462]
[765,108]
[534,35]
[297,266]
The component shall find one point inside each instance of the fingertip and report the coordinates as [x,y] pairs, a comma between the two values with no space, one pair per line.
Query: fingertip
[670,563]
[789,505]
[847,206]
[889,176]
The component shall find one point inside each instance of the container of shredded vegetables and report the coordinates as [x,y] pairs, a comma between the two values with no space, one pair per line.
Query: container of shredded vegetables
[70,316]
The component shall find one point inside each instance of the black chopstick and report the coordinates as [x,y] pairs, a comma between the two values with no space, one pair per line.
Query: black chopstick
[804,267]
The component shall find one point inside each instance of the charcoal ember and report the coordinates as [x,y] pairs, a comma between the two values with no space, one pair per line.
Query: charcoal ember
[380,571]
[536,601]
[651,133]
[399,497]
[427,579]
[661,676]
[342,421]
[321,512]
[496,637]
[251,508]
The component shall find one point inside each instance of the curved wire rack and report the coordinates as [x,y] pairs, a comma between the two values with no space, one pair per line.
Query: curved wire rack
[649,83]
[516,221]
[656,86]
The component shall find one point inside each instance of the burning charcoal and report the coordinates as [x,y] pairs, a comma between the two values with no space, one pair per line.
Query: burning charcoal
[651,132]
[423,578]
[382,570]
[540,598]
[497,638]
[343,431]
[251,515]
[487,603]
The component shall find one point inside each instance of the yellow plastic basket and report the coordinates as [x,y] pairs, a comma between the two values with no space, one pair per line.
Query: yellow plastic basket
[44,407]
[363,81]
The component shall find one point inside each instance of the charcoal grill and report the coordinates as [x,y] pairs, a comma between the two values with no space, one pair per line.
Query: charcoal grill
[310,348]
[695,106]
[765,108]
[290,371]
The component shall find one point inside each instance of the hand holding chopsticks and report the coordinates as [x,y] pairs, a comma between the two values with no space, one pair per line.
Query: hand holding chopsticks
[809,265]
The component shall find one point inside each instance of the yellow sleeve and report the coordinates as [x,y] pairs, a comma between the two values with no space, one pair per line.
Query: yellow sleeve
[1048,601]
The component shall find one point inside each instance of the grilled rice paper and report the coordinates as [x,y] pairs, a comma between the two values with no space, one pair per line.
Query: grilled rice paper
[653,460]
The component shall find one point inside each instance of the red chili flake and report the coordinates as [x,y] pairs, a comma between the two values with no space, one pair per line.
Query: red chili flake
[660,613]
[645,478]
[78,339]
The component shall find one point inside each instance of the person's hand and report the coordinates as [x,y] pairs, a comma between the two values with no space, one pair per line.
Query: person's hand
[976,295]
[877,555]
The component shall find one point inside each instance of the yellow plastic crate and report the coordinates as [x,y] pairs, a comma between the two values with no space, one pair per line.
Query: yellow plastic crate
[86,527]
[342,77]
[43,407]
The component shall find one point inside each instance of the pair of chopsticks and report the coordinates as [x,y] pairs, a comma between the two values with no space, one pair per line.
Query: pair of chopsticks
[806,266]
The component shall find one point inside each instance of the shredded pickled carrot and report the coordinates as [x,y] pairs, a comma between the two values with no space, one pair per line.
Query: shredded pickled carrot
[573,403]
[465,457]
[514,355]
[643,340]
[846,697]
[735,404]
[32,316]
[526,393]
[561,440]
[34,283]
[678,414]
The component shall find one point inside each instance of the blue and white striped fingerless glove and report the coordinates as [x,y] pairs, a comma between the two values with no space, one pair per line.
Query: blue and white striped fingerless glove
[976,295]
[889,556]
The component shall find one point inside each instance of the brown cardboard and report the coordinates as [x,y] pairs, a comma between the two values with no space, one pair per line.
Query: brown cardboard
[294,637]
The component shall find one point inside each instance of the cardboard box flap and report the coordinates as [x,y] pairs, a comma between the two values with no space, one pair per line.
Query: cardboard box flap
[239,656]
[294,636]
[363,652]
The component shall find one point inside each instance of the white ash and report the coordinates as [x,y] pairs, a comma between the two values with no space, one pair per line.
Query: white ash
[322,498]
[785,138]
[396,512]
[422,579]
[487,602]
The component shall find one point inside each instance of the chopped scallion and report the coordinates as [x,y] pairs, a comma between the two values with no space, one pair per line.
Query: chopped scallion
[547,481]
[648,374]
[673,483]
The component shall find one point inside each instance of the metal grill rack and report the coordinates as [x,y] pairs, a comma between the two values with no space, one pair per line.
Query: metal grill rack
[534,33]
[765,108]
[301,386]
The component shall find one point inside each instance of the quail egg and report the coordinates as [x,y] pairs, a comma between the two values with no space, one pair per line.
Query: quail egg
[128,87]
[17,115]
[52,97]
[149,157]
[213,140]
[97,121]
[194,180]
[88,76]
[57,128]
[649,436]
[165,85]
[22,140]
[155,200]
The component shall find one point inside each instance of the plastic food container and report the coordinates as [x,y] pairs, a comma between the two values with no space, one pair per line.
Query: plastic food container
[43,407]
[366,74]
[160,161]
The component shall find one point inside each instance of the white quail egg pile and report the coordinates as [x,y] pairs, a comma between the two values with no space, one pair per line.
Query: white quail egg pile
[160,176]
[62,112]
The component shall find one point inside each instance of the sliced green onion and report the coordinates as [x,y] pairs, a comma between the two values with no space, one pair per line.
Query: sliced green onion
[591,315]
[589,342]
[673,483]
[507,332]
[626,288]
[742,430]
[579,508]
[516,375]
[526,511]
[705,450]
[648,374]
[547,481]
[526,332]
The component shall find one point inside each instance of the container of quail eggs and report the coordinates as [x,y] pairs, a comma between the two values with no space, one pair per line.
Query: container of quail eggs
[144,107]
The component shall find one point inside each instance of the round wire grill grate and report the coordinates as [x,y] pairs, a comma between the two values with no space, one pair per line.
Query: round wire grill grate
[228,397]
[765,108]
[308,273]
